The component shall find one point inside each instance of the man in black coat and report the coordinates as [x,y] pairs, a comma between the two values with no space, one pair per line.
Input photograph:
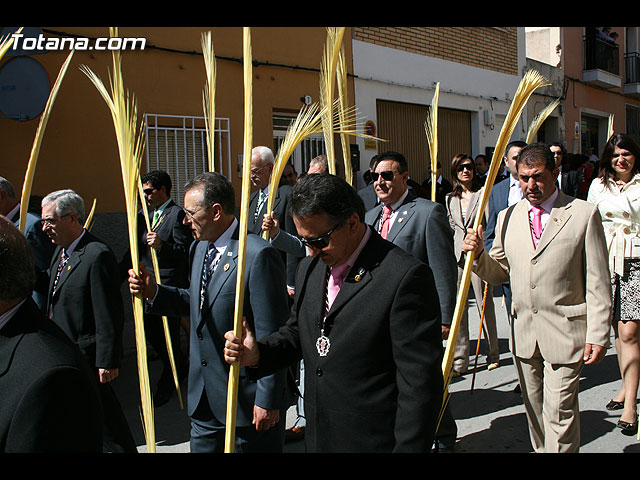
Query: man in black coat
[262,163]
[85,301]
[171,239]
[374,356]
[50,401]
[568,180]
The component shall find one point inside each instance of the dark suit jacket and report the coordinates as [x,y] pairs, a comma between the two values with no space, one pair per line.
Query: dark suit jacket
[50,402]
[88,304]
[442,188]
[42,250]
[285,221]
[422,229]
[569,183]
[173,257]
[265,306]
[380,387]
[368,196]
[498,201]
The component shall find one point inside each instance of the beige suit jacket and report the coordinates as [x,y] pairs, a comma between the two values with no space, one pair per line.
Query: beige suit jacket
[561,290]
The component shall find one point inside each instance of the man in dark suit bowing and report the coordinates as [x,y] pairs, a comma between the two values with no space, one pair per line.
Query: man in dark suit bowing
[421,228]
[366,322]
[262,163]
[209,205]
[170,239]
[50,400]
[85,301]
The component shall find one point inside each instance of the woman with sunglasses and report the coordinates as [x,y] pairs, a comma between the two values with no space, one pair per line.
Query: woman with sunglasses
[462,207]
[616,192]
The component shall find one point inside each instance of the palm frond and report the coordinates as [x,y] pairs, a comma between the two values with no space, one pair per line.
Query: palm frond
[130,141]
[37,142]
[431,129]
[327,80]
[539,120]
[208,96]
[234,371]
[6,42]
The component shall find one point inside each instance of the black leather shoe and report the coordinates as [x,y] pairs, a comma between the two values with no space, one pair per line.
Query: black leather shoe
[628,428]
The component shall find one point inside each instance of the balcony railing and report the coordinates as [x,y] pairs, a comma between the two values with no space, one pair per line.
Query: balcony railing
[632,68]
[601,54]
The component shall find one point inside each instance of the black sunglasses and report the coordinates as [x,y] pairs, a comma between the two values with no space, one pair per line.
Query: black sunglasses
[386,175]
[148,191]
[319,242]
[468,166]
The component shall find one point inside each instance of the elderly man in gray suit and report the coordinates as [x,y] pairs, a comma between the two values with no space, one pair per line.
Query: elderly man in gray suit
[551,247]
[209,204]
[421,228]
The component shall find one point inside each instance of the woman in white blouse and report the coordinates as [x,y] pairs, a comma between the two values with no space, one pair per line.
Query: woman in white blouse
[616,192]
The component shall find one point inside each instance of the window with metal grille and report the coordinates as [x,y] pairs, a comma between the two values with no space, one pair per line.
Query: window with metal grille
[178,145]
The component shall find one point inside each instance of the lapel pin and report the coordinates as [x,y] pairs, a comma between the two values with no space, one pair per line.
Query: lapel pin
[358,276]
[68,267]
[226,267]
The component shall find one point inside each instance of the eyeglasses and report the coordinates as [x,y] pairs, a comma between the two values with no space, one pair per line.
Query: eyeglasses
[254,171]
[148,191]
[467,166]
[51,222]
[319,242]
[191,214]
[387,175]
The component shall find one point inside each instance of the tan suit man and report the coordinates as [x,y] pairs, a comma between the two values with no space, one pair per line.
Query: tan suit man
[561,297]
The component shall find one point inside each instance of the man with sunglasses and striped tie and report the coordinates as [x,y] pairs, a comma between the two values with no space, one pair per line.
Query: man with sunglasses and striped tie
[366,322]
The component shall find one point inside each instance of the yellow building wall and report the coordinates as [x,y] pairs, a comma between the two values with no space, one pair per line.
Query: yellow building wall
[167,78]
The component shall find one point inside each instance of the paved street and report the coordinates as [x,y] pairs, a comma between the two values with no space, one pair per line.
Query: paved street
[490,418]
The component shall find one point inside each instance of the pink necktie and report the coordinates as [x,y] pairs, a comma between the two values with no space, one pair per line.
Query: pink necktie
[384,231]
[335,282]
[536,225]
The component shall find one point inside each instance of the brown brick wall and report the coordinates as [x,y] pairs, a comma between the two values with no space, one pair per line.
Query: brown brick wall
[483,47]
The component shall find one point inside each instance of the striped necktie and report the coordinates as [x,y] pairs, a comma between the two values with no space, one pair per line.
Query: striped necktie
[536,224]
[211,260]
[156,216]
[261,199]
[64,258]
[384,229]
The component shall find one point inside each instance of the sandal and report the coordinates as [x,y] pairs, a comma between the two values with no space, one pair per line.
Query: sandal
[614,405]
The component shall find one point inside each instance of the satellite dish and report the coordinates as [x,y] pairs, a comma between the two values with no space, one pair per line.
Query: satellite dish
[24,88]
